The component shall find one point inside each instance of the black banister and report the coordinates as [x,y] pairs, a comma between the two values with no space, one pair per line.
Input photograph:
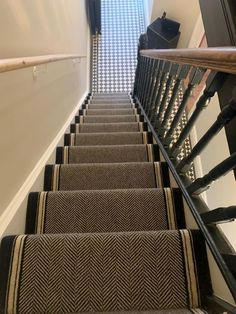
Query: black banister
[159,89]
[212,237]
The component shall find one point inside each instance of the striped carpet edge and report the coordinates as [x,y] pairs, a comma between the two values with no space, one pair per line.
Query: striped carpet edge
[37,209]
[63,154]
[12,255]
[52,175]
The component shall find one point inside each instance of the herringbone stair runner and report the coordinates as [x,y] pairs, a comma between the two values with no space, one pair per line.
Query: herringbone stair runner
[107,234]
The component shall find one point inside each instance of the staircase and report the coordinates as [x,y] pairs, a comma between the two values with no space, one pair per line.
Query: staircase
[107,234]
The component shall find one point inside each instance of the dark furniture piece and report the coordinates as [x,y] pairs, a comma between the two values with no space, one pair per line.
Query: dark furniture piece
[163,33]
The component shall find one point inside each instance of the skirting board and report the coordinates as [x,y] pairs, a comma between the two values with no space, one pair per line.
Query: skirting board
[12,221]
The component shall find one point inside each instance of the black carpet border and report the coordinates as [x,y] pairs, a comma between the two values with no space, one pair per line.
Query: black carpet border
[202,266]
[156,152]
[59,155]
[165,174]
[48,173]
[179,208]
[67,139]
[31,213]
[7,245]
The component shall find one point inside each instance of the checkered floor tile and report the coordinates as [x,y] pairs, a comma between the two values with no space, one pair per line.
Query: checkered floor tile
[115,51]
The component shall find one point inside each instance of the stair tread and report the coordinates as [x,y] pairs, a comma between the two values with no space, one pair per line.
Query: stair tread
[115,138]
[109,127]
[103,211]
[100,271]
[109,111]
[108,118]
[107,154]
[101,176]
[109,106]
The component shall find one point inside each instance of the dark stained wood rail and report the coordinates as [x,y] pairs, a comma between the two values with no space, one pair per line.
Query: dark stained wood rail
[11,64]
[219,59]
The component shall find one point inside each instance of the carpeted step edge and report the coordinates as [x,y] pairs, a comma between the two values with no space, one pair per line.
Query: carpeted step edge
[144,125]
[81,112]
[9,244]
[35,200]
[52,174]
[70,138]
[63,153]
[78,118]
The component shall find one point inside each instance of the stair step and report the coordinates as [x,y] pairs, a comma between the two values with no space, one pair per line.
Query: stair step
[110,95]
[109,106]
[103,112]
[104,211]
[107,154]
[99,272]
[119,138]
[109,119]
[109,101]
[103,176]
[109,127]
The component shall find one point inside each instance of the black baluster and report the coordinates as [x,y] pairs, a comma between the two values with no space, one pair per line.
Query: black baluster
[181,75]
[150,82]
[141,77]
[168,89]
[153,86]
[136,77]
[194,79]
[202,184]
[146,82]
[163,80]
[219,215]
[214,84]
[144,79]
[163,70]
[226,115]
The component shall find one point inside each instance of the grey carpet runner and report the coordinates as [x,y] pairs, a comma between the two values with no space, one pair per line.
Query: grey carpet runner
[107,234]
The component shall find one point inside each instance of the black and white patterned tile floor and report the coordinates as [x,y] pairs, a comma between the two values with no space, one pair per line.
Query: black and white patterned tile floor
[115,51]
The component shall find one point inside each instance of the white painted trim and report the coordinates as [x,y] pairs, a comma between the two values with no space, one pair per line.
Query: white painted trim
[14,206]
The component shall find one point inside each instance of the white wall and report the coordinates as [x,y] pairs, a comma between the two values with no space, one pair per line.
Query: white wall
[33,111]
[185,12]
[148,11]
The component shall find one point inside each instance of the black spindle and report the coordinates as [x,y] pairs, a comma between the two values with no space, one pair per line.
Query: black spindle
[214,84]
[195,78]
[225,116]
[202,184]
[181,75]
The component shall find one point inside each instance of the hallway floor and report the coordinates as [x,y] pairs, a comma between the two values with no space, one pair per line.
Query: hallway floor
[115,51]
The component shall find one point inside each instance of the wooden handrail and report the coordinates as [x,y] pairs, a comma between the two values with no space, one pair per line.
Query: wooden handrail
[219,59]
[11,64]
